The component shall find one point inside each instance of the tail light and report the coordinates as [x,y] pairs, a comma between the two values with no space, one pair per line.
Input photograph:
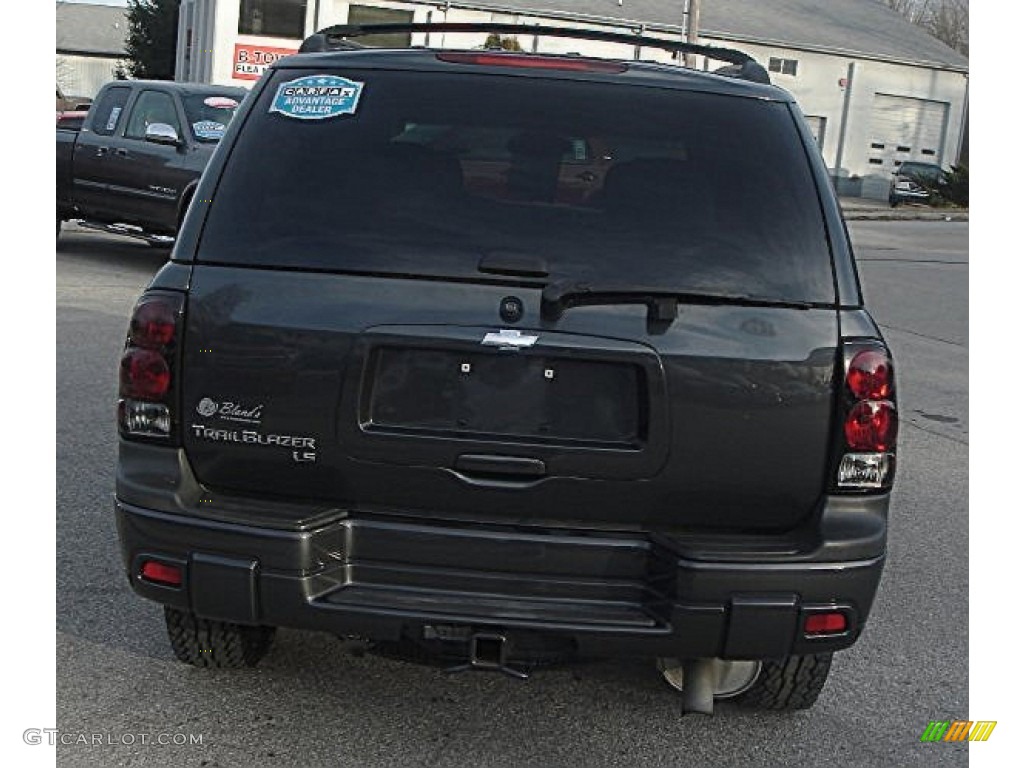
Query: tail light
[145,374]
[870,420]
[869,375]
[534,62]
[148,366]
[871,426]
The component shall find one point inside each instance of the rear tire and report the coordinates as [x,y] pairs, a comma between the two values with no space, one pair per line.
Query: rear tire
[219,644]
[789,684]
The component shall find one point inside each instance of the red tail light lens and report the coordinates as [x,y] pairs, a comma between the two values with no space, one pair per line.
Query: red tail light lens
[533,62]
[144,375]
[871,426]
[147,367]
[870,375]
[153,323]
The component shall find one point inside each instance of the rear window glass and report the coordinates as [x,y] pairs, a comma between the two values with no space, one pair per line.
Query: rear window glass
[107,114]
[921,170]
[209,114]
[606,183]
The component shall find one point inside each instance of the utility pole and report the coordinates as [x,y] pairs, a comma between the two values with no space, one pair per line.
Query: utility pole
[692,22]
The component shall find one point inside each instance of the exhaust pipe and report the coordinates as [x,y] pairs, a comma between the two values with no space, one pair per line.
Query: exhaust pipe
[699,686]
[728,679]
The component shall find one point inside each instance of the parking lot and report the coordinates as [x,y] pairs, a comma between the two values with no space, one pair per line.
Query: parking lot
[316,700]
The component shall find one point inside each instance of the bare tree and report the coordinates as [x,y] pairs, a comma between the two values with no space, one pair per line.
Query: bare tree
[946,20]
[912,10]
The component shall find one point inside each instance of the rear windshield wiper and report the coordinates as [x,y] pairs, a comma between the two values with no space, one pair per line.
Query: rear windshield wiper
[662,304]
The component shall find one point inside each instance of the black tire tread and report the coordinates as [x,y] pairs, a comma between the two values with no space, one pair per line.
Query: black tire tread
[215,644]
[789,684]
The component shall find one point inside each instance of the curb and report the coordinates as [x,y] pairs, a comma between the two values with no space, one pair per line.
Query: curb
[863,215]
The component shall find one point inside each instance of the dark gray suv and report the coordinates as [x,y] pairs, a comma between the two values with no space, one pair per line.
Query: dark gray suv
[507,359]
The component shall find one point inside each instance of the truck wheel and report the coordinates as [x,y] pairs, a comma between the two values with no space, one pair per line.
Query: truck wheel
[788,684]
[209,643]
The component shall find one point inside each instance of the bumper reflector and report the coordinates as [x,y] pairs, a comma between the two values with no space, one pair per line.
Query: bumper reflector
[160,573]
[825,624]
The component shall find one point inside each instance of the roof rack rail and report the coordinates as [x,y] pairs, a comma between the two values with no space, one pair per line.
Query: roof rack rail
[338,38]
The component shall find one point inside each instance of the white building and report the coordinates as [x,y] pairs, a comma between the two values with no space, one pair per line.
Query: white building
[90,44]
[875,89]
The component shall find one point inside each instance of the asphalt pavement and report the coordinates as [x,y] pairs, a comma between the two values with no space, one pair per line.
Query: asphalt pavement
[317,701]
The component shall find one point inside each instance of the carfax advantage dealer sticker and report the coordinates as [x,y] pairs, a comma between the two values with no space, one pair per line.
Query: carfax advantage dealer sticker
[317,97]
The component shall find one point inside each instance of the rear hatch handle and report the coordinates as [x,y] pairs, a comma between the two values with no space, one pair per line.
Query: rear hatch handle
[486,468]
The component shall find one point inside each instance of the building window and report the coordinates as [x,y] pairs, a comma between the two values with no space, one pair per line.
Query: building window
[369,14]
[785,66]
[272,18]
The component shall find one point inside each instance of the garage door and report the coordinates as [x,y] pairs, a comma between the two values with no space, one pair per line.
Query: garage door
[902,129]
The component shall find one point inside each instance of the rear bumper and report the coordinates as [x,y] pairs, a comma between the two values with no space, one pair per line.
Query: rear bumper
[610,593]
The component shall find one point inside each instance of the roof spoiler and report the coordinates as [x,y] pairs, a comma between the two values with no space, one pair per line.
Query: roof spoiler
[338,38]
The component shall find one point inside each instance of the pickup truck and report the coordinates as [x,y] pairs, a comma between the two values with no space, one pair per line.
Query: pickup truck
[66,102]
[132,165]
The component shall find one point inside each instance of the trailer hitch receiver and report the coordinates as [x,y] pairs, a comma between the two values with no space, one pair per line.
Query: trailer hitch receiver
[488,652]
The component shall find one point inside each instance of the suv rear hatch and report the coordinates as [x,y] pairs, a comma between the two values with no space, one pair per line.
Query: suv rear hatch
[526,297]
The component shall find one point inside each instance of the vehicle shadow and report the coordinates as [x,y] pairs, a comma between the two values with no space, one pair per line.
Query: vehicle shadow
[92,246]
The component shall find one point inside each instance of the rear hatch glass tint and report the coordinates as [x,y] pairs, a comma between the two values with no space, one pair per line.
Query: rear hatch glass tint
[433,173]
